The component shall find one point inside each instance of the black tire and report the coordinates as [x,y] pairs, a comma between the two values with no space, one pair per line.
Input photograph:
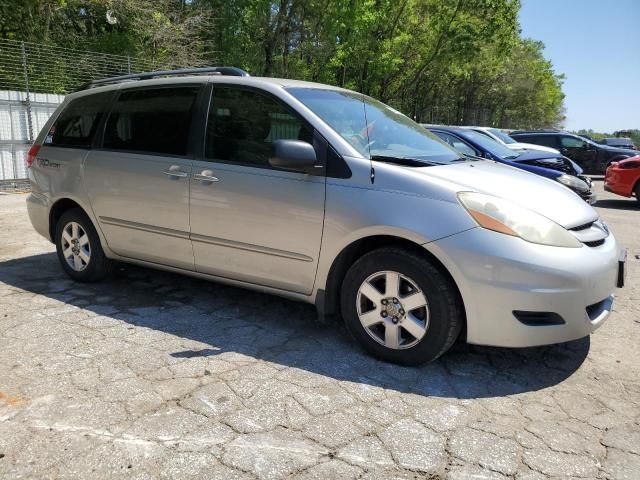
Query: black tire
[446,316]
[637,192]
[98,266]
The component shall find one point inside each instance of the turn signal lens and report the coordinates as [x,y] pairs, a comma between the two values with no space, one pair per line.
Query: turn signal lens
[491,223]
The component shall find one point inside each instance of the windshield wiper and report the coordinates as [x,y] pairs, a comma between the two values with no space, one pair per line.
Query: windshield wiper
[404,161]
[466,158]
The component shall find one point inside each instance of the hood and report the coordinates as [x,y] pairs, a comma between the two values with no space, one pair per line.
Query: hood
[532,146]
[631,162]
[611,149]
[551,161]
[534,168]
[534,192]
[534,155]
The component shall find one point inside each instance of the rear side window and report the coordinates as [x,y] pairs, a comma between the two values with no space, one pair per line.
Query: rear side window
[151,121]
[78,122]
[544,140]
[243,124]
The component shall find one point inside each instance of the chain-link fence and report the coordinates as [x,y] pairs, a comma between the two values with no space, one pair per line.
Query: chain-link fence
[33,81]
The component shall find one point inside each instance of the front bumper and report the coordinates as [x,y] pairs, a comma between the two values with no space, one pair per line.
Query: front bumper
[591,198]
[498,275]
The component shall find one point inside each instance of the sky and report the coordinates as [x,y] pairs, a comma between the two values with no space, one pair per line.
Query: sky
[596,45]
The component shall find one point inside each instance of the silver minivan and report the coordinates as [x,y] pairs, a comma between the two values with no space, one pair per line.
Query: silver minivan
[323,195]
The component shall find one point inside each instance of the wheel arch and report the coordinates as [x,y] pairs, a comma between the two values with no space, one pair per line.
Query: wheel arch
[58,208]
[328,300]
[636,188]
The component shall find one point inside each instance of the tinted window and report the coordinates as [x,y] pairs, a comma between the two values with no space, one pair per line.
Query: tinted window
[152,121]
[77,124]
[243,124]
[456,143]
[544,140]
[572,142]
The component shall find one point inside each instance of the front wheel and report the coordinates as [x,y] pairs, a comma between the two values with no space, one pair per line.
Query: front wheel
[78,247]
[637,192]
[400,307]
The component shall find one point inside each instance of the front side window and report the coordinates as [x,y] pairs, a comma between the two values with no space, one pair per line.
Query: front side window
[373,128]
[572,142]
[243,124]
[151,121]
[77,124]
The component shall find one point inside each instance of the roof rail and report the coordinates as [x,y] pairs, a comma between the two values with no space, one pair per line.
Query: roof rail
[539,130]
[233,71]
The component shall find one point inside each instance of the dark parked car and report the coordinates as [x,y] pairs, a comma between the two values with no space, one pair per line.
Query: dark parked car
[549,165]
[591,156]
[619,142]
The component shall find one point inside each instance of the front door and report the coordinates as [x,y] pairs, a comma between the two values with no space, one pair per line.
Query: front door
[249,221]
[138,182]
[579,151]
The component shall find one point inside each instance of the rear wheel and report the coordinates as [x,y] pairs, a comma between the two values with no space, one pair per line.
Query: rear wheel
[78,247]
[400,307]
[637,192]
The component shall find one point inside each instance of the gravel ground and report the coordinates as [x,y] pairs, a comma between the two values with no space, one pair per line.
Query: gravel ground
[155,375]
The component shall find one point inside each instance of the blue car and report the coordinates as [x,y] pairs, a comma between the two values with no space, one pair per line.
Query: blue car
[556,167]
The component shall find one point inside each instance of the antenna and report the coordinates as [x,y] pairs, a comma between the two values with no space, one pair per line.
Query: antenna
[372,175]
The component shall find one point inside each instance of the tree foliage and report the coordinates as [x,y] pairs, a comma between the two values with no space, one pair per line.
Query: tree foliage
[456,62]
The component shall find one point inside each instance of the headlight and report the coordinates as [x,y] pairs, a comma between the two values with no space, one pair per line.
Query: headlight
[574,183]
[502,216]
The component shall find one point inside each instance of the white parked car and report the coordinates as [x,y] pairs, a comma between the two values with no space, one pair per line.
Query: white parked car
[500,136]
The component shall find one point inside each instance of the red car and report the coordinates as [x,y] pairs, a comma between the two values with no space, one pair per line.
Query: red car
[623,177]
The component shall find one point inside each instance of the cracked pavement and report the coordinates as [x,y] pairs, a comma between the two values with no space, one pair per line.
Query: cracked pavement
[156,375]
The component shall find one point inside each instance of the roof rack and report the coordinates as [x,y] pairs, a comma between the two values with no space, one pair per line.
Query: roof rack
[233,71]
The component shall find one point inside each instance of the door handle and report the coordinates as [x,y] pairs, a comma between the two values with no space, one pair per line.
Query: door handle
[206,176]
[175,172]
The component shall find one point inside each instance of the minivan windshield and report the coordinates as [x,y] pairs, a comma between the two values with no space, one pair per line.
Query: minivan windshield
[375,130]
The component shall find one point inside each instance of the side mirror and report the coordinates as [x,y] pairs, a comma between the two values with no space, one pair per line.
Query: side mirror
[294,155]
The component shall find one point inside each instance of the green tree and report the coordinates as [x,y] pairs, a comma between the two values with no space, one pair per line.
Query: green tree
[457,62]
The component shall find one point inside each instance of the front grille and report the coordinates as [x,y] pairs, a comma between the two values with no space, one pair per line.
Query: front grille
[595,243]
[592,234]
[582,227]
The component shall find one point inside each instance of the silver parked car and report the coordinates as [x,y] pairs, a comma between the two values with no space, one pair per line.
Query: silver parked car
[322,195]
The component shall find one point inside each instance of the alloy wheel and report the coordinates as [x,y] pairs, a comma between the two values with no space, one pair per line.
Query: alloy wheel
[76,248]
[393,310]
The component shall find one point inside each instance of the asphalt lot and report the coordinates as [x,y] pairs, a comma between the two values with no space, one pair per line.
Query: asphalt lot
[156,375]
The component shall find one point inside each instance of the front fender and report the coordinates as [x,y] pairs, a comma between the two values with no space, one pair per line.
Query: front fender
[353,214]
